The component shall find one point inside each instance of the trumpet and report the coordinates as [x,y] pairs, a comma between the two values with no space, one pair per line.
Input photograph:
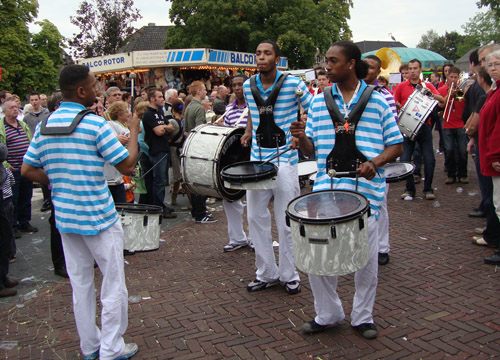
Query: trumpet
[455,93]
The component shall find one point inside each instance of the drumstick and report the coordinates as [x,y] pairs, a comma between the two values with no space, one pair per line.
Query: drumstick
[333,173]
[275,156]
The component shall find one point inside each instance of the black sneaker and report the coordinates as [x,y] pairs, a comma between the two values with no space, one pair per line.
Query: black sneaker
[206,220]
[367,330]
[258,285]
[292,287]
[312,327]
[234,247]
[28,228]
[169,215]
[17,234]
[61,272]
[383,258]
[47,205]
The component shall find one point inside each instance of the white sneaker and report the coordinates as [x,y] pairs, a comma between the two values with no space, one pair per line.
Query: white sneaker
[129,351]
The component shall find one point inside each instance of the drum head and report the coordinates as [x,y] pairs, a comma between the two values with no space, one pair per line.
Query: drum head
[397,171]
[307,168]
[138,208]
[248,171]
[328,206]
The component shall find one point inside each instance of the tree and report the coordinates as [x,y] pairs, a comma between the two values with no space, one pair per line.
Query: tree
[104,26]
[493,4]
[29,62]
[446,45]
[300,27]
[485,27]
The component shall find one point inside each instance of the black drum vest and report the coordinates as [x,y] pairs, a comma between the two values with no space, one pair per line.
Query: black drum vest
[63,130]
[345,155]
[268,134]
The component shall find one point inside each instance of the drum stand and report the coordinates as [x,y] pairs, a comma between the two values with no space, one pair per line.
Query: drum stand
[333,173]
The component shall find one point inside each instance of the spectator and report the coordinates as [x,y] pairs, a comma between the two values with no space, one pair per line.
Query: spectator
[33,117]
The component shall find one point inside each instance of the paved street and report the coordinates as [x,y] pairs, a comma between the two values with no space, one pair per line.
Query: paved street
[436,299]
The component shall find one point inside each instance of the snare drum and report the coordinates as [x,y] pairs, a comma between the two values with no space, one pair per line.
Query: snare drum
[415,112]
[329,232]
[306,169]
[250,175]
[141,226]
[206,151]
[397,171]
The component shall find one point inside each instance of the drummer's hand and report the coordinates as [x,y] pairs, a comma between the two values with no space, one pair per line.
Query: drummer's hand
[246,139]
[295,143]
[367,170]
[298,129]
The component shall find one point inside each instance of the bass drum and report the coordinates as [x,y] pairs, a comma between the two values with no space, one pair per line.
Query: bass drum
[207,150]
[329,232]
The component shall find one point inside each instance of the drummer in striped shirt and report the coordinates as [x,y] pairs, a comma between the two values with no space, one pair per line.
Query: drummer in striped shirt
[236,114]
[378,140]
[374,65]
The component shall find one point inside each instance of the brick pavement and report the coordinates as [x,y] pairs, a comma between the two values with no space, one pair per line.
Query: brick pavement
[435,299]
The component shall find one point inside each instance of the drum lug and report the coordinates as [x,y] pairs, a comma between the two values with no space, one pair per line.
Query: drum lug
[333,232]
[287,221]
[361,223]
[302,230]
[145,220]
[161,219]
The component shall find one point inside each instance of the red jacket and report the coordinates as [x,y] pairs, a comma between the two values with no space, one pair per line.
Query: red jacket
[489,132]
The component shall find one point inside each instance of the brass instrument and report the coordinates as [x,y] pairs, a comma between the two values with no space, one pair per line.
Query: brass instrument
[390,61]
[455,93]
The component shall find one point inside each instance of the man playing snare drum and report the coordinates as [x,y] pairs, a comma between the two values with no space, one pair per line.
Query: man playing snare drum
[360,143]
[269,133]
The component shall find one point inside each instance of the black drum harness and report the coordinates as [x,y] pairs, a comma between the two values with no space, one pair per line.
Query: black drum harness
[268,134]
[345,157]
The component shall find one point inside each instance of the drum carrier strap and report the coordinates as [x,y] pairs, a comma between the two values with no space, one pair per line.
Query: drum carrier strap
[268,134]
[345,156]
[63,130]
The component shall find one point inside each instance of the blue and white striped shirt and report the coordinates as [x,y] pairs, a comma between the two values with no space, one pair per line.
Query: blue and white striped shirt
[376,130]
[75,166]
[285,111]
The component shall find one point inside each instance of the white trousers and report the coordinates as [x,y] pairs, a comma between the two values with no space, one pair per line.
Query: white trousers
[327,303]
[496,194]
[383,225]
[107,250]
[234,215]
[259,224]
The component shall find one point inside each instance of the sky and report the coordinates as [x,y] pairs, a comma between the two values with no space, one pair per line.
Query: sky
[406,20]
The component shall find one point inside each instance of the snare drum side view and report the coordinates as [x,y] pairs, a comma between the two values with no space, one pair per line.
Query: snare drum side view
[414,113]
[329,232]
[207,150]
[141,226]
[250,175]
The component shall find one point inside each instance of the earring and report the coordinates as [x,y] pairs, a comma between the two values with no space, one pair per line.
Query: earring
[350,67]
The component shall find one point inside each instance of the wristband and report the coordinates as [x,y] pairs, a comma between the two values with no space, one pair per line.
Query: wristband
[375,166]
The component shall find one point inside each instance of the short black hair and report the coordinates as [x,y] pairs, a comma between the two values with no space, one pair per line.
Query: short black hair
[483,74]
[3,94]
[35,94]
[322,72]
[474,57]
[71,77]
[152,93]
[240,75]
[352,51]
[276,48]
[415,61]
[375,58]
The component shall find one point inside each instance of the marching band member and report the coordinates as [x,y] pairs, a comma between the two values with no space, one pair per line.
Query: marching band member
[371,139]
[236,114]
[273,106]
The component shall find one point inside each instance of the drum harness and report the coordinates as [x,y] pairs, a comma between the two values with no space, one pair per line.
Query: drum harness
[345,156]
[268,134]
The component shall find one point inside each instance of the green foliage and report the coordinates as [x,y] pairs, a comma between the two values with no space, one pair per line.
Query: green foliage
[494,5]
[29,61]
[104,26]
[446,45]
[485,27]
[300,27]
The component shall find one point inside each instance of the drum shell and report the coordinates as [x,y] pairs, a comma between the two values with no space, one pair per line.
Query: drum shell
[141,226]
[201,161]
[414,113]
[330,249]
[265,180]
